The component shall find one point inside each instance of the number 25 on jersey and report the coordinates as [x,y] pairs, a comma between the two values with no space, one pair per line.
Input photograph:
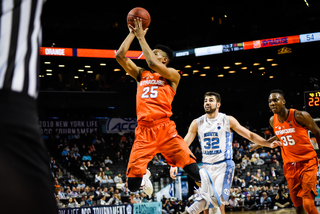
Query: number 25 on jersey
[153,92]
[287,140]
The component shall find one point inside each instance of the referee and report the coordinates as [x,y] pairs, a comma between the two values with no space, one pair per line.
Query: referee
[26,182]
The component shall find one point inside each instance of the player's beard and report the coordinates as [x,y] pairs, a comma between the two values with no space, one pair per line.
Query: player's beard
[211,110]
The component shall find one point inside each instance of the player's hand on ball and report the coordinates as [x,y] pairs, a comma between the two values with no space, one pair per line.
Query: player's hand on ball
[173,172]
[137,28]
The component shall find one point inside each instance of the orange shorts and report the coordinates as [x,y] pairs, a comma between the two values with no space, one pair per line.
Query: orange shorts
[302,179]
[157,137]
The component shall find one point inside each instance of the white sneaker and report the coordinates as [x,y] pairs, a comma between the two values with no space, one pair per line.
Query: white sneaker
[146,183]
[207,190]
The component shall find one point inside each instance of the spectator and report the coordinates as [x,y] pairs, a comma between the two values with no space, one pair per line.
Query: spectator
[105,192]
[263,154]
[83,201]
[59,203]
[267,133]
[275,181]
[243,183]
[273,172]
[61,193]
[89,202]
[253,181]
[237,157]
[249,203]
[81,184]
[108,160]
[98,177]
[235,203]
[278,168]
[264,176]
[282,199]
[125,192]
[137,198]
[279,157]
[236,182]
[236,144]
[272,191]
[167,207]
[119,185]
[268,157]
[104,179]
[241,149]
[246,161]
[65,152]
[83,167]
[247,178]
[255,155]
[273,159]
[238,170]
[265,201]
[117,178]
[108,172]
[86,157]
[258,161]
[72,202]
[103,200]
[261,182]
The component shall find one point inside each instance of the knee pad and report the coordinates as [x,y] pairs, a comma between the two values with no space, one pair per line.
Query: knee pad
[193,171]
[134,184]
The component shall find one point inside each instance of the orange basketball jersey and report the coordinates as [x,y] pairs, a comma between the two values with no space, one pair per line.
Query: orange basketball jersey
[154,97]
[296,146]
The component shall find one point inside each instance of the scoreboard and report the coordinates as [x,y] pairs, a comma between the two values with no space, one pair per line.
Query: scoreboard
[312,100]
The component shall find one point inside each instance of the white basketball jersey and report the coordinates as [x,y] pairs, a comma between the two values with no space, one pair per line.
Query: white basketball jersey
[215,138]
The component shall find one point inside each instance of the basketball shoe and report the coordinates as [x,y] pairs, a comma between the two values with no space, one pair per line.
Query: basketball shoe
[146,183]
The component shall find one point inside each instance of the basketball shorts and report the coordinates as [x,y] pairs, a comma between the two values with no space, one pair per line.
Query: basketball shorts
[24,159]
[222,176]
[302,179]
[157,137]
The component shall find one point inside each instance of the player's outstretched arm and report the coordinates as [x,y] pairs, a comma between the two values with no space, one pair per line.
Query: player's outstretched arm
[235,125]
[273,139]
[152,61]
[305,119]
[192,133]
[127,64]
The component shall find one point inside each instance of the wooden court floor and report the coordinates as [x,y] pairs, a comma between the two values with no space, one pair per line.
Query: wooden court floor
[279,211]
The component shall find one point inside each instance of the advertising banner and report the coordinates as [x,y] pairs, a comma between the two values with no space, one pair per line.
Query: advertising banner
[142,208]
[68,126]
[125,125]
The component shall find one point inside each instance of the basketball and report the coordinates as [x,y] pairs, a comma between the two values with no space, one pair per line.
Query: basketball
[141,13]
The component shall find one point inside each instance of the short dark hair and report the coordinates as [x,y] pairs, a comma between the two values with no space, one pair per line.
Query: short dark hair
[277,91]
[217,96]
[165,49]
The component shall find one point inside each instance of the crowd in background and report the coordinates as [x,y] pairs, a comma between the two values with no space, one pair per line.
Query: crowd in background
[86,171]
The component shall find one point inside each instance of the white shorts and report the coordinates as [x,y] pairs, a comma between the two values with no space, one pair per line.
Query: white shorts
[222,176]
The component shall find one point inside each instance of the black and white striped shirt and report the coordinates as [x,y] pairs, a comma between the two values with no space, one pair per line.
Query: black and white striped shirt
[20,37]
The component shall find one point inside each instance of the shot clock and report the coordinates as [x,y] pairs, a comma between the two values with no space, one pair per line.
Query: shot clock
[312,100]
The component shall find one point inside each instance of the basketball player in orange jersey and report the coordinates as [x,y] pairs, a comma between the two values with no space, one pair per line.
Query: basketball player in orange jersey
[299,157]
[155,132]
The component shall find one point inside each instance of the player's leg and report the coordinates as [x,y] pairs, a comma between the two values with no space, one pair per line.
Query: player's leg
[175,150]
[142,152]
[290,172]
[308,191]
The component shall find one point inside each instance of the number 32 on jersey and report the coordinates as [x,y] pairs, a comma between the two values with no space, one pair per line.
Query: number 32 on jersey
[287,140]
[150,91]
